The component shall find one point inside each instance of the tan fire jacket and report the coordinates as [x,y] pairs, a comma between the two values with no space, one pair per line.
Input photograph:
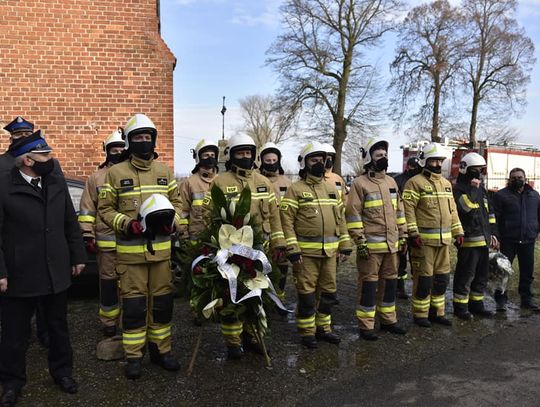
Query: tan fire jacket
[312,218]
[192,193]
[375,212]
[430,209]
[339,183]
[263,200]
[280,182]
[126,187]
[91,223]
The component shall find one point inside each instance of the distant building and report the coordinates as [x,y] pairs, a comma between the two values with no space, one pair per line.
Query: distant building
[78,69]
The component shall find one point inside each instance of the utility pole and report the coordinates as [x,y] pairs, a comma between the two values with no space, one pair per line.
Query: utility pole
[222,144]
[223,110]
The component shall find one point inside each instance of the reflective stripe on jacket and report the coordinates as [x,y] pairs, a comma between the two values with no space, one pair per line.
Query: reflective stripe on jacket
[375,212]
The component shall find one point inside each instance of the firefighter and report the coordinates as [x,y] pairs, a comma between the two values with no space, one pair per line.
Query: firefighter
[194,189]
[332,177]
[432,221]
[313,220]
[410,171]
[240,160]
[271,168]
[145,275]
[99,238]
[376,222]
[478,220]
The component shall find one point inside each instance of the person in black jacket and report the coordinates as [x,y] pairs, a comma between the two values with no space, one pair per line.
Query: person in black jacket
[41,247]
[517,208]
[478,221]
[413,168]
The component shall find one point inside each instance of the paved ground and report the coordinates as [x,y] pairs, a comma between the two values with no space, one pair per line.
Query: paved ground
[476,363]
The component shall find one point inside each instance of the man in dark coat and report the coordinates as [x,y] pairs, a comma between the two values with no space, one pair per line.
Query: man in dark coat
[40,248]
[517,210]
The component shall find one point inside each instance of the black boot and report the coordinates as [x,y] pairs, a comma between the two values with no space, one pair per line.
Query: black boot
[250,344]
[109,331]
[329,337]
[165,360]
[436,319]
[309,342]
[368,334]
[133,368]
[394,329]
[234,352]
[461,312]
[423,322]
[528,303]
[477,308]
[400,291]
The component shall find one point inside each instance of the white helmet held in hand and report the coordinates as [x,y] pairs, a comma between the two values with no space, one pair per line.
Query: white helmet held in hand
[138,124]
[371,145]
[431,150]
[471,160]
[311,148]
[155,212]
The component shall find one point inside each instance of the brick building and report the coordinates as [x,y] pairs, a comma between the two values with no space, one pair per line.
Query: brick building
[79,68]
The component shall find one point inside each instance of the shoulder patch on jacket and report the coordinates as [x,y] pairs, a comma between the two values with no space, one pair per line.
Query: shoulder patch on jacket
[262,189]
[232,189]
[393,190]
[332,196]
[126,182]
[282,188]
[307,194]
[448,189]
[428,188]
[162,181]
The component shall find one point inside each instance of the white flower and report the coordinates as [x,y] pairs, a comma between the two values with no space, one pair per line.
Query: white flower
[247,218]
[232,207]
[223,214]
[209,309]
[227,269]
[229,236]
[259,281]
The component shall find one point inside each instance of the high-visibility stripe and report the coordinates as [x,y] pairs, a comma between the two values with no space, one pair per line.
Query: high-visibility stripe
[109,313]
[142,248]
[373,204]
[108,188]
[456,226]
[480,243]
[308,322]
[365,314]
[197,202]
[160,333]
[492,219]
[318,245]
[291,240]
[86,219]
[133,338]
[461,300]
[277,235]
[117,220]
[355,225]
[106,244]
[323,319]
[231,329]
[476,297]
[401,221]
[344,238]
[386,310]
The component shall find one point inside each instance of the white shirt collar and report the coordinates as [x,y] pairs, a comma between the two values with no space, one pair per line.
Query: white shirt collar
[29,179]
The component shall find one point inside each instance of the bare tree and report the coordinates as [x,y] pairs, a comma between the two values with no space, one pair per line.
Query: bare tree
[320,62]
[265,120]
[498,59]
[428,55]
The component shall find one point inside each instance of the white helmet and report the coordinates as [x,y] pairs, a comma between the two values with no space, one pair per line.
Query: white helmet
[471,160]
[240,141]
[139,123]
[329,148]
[204,145]
[431,150]
[270,148]
[312,148]
[155,212]
[371,145]
[115,139]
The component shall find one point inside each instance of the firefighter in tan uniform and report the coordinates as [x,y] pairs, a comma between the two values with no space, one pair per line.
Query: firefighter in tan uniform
[315,230]
[100,238]
[271,168]
[194,189]
[240,156]
[376,222]
[332,177]
[432,221]
[143,266]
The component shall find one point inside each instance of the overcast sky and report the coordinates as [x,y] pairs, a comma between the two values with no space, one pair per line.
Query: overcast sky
[220,46]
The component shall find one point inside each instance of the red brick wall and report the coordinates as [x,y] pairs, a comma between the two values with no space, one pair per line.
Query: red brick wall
[79,68]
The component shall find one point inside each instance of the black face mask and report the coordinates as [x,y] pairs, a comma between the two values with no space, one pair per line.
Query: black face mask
[209,162]
[317,170]
[142,149]
[434,169]
[270,167]
[413,171]
[516,184]
[474,174]
[115,158]
[243,163]
[329,163]
[381,164]
[43,168]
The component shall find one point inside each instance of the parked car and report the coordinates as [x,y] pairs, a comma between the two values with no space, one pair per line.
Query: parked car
[87,283]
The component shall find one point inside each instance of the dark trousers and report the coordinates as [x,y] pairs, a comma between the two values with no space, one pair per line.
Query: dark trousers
[16,313]
[402,267]
[471,273]
[41,323]
[525,256]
